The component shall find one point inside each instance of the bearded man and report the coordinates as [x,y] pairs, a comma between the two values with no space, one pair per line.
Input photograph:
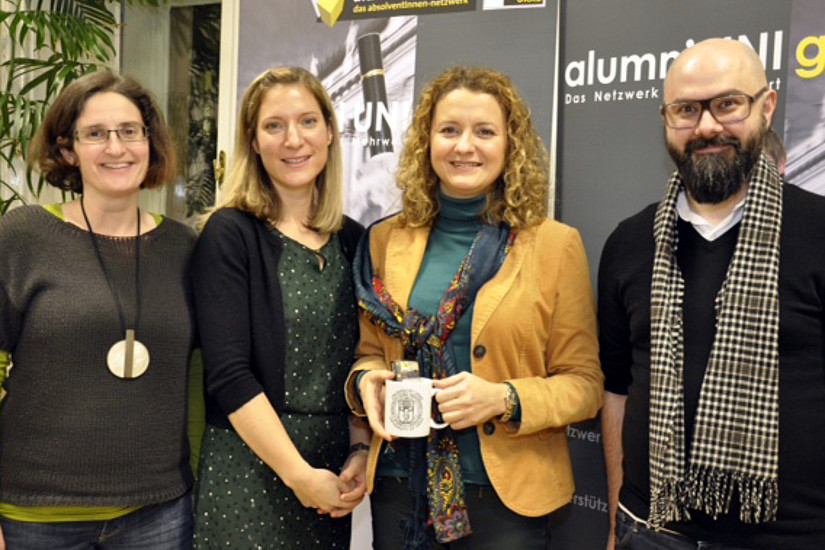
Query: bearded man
[712,331]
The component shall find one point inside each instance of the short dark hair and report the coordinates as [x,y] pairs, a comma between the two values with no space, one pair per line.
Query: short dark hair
[57,131]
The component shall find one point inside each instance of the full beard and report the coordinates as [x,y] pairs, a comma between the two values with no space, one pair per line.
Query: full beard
[714,178]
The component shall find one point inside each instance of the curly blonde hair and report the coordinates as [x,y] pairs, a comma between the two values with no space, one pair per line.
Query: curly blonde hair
[519,196]
[248,186]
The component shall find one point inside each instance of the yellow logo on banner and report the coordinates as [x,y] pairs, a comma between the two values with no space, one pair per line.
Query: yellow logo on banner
[813,66]
[330,11]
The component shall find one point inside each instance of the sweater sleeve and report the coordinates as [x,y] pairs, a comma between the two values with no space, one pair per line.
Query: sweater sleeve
[615,348]
[349,236]
[220,280]
[5,361]
[10,319]
[196,410]
[11,315]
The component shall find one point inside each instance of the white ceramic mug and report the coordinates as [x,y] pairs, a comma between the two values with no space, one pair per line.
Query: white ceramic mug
[408,407]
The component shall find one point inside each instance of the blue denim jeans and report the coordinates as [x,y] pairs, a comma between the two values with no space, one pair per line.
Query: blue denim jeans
[633,535]
[166,526]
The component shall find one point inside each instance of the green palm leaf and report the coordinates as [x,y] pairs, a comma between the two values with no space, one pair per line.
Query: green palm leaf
[68,38]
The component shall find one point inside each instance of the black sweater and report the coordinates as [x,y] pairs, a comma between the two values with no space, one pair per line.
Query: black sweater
[240,310]
[624,321]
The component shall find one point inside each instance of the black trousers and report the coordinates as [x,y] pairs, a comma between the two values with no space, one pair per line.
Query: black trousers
[495,527]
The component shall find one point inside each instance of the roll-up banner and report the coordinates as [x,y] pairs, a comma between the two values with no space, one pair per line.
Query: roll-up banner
[374,56]
[805,97]
[612,158]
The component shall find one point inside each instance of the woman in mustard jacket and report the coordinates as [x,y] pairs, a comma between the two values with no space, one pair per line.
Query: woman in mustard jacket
[494,302]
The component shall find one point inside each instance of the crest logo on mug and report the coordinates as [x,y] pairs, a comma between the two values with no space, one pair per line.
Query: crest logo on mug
[406,409]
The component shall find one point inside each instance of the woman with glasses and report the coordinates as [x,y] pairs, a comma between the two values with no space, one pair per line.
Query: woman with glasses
[97,325]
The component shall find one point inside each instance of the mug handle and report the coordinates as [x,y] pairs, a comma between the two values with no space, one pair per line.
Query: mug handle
[433,424]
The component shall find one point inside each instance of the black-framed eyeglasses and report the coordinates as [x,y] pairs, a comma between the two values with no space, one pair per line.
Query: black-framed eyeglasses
[726,109]
[127,133]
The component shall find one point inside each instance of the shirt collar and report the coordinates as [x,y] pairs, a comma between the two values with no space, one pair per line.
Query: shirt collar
[707,230]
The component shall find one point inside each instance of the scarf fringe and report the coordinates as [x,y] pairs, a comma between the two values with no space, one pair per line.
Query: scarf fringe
[710,490]
[668,504]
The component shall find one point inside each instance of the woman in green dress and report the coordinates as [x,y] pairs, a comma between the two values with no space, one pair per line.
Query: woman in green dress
[278,325]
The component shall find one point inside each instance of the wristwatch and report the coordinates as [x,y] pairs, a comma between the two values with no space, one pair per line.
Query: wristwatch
[510,402]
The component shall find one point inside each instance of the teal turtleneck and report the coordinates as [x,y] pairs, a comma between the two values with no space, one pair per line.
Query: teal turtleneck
[449,242]
[450,239]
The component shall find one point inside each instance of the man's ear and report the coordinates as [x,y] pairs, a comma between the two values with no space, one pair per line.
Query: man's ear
[769,106]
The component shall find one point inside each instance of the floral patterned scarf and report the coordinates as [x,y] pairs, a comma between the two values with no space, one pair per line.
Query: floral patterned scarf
[425,340]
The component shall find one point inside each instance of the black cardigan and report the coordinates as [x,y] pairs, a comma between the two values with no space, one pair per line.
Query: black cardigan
[240,311]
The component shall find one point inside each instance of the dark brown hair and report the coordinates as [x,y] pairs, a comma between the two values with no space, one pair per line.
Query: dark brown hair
[58,128]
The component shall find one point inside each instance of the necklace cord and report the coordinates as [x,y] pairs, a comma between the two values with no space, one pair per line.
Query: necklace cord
[109,281]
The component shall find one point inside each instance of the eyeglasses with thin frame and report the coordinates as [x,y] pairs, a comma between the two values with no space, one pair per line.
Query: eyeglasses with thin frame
[128,133]
[725,109]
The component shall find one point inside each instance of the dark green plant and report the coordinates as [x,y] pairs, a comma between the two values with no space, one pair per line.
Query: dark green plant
[203,103]
[51,43]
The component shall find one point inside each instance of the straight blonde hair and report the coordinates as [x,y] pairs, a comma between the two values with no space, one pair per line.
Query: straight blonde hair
[248,186]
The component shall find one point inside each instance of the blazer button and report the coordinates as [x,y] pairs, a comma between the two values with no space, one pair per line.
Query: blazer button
[489,428]
[479,352]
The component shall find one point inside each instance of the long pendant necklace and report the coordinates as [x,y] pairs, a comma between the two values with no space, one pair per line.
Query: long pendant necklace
[127,358]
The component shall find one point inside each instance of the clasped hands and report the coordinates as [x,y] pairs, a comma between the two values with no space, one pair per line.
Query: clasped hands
[336,495]
[465,400]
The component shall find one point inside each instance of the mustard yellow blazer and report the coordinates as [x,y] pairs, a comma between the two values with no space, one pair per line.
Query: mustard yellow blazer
[534,326]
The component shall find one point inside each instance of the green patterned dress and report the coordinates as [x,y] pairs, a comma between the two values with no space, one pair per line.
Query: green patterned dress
[242,503]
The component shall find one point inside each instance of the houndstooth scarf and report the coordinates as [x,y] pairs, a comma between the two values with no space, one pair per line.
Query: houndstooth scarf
[736,440]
